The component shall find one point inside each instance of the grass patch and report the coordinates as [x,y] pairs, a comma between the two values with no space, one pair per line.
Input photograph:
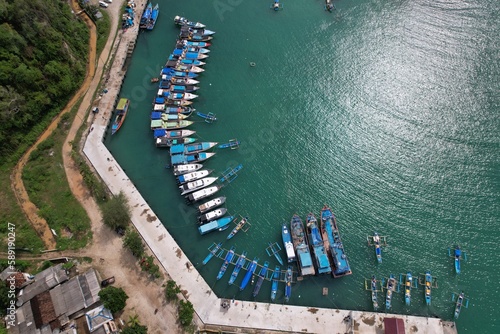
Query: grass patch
[47,187]
[103,26]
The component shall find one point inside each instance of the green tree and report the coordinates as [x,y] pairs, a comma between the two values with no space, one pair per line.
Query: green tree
[116,212]
[114,299]
[4,297]
[186,311]
[136,329]
[171,291]
[133,242]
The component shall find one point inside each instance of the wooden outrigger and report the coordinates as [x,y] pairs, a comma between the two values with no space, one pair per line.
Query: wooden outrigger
[459,255]
[232,144]
[243,225]
[429,282]
[371,285]
[460,301]
[391,285]
[377,241]
[230,174]
[215,249]
[408,281]
[274,249]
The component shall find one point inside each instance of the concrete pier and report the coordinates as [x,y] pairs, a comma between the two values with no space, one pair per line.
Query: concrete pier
[220,314]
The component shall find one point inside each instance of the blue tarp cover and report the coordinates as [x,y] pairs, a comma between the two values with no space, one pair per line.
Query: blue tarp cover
[159,133]
[159,100]
[156,115]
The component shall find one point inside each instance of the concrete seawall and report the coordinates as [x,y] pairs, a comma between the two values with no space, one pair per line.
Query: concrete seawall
[241,316]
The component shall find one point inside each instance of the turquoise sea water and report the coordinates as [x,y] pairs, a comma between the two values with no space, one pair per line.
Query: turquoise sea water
[386,111]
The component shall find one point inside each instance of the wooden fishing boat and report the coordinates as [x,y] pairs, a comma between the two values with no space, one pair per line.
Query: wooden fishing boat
[121,113]
[333,243]
[176,96]
[302,250]
[154,17]
[288,283]
[260,279]
[428,287]
[213,249]
[227,260]
[192,148]
[203,193]
[458,256]
[273,250]
[196,185]
[185,22]
[461,302]
[212,204]
[374,290]
[237,268]
[146,16]
[409,283]
[377,241]
[237,228]
[317,246]
[249,273]
[233,143]
[274,283]
[211,215]
[197,32]
[210,117]
[189,177]
[174,134]
[188,55]
[179,159]
[391,288]
[158,115]
[191,43]
[169,125]
[187,168]
[180,81]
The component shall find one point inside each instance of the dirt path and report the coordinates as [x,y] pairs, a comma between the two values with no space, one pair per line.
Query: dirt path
[30,210]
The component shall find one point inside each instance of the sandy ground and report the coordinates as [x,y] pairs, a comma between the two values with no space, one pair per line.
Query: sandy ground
[146,297]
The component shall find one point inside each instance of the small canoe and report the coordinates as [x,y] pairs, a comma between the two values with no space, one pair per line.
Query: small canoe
[274,284]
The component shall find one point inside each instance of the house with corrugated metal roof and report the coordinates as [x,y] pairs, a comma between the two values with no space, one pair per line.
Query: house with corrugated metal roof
[52,301]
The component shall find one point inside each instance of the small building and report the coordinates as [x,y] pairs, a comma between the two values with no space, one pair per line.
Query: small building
[51,302]
[394,326]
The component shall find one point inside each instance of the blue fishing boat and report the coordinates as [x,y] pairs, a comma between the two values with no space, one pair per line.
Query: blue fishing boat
[179,159]
[203,193]
[333,243]
[195,38]
[192,186]
[185,22]
[174,134]
[196,175]
[191,48]
[374,290]
[317,245]
[458,255]
[165,142]
[182,53]
[207,117]
[230,174]
[176,96]
[390,287]
[238,227]
[191,43]
[274,283]
[182,60]
[409,283]
[121,113]
[277,5]
[186,110]
[237,267]
[377,241]
[461,301]
[171,73]
[274,249]
[260,279]
[232,144]
[214,248]
[192,148]
[288,283]
[225,264]
[299,239]
[428,287]
[249,273]
[146,16]
[216,225]
[287,242]
[154,16]
[166,84]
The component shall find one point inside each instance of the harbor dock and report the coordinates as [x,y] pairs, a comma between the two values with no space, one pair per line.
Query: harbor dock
[239,316]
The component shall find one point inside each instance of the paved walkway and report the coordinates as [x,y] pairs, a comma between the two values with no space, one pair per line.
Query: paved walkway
[247,316]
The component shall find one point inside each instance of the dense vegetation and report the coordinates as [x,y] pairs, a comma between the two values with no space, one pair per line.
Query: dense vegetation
[42,62]
[114,299]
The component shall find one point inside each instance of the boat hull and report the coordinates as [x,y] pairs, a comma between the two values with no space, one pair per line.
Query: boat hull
[212,204]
